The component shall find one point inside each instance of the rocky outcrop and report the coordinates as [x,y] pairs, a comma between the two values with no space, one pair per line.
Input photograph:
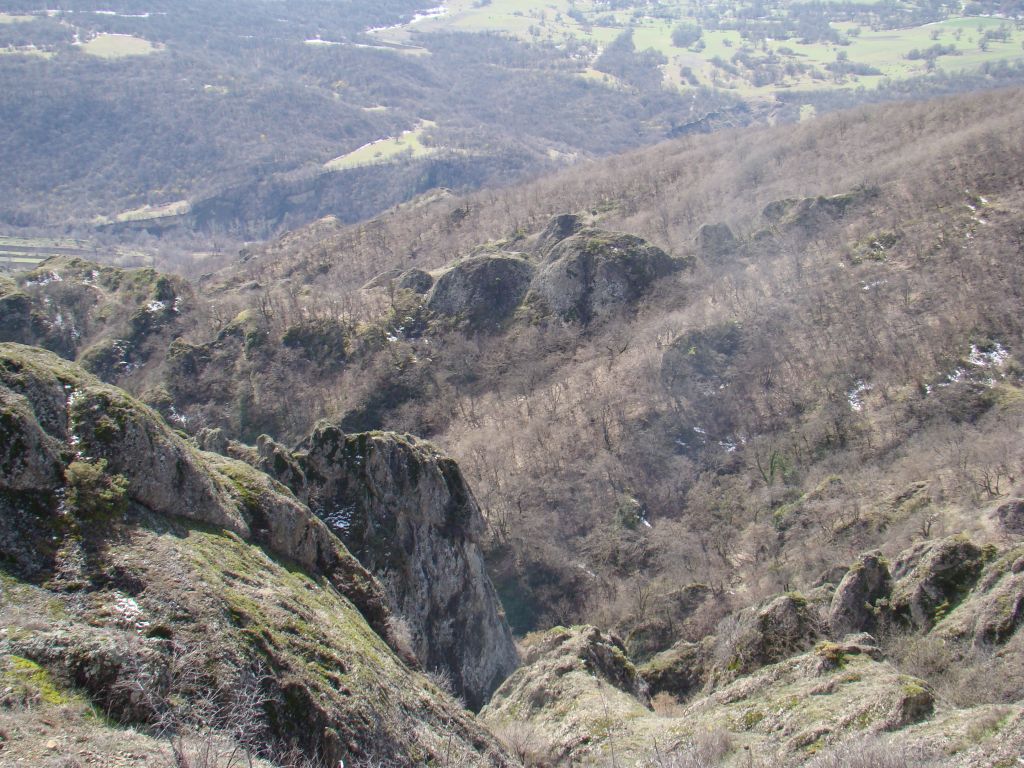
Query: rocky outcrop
[415,280]
[594,274]
[1010,515]
[574,685]
[558,229]
[855,604]
[104,426]
[680,671]
[482,291]
[187,583]
[714,242]
[810,213]
[932,578]
[994,610]
[405,511]
[765,634]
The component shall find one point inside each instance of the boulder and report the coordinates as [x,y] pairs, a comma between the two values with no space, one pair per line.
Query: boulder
[482,291]
[594,274]
[855,604]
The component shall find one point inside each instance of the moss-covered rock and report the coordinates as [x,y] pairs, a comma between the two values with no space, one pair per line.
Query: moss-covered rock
[202,574]
[932,578]
[764,634]
[856,603]
[482,291]
[680,671]
[576,688]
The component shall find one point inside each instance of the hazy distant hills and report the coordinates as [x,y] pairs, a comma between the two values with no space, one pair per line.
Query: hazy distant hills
[246,119]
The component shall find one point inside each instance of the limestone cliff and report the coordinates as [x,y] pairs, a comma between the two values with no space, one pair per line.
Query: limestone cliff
[405,511]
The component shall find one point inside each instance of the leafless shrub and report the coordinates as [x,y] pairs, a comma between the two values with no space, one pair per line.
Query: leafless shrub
[666,705]
[525,741]
[401,640]
[703,751]
[204,721]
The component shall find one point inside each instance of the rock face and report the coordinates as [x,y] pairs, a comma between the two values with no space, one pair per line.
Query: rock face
[593,274]
[483,291]
[406,513]
[932,578]
[173,578]
[855,602]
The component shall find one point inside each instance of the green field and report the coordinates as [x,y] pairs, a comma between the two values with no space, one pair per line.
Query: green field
[885,49]
[110,46]
[147,212]
[408,145]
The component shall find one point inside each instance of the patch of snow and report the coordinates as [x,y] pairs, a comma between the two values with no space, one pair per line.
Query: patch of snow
[855,395]
[340,520]
[156,306]
[994,358]
[875,284]
[49,277]
[128,613]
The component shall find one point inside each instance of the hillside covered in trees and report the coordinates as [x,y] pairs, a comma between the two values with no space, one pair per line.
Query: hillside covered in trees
[736,399]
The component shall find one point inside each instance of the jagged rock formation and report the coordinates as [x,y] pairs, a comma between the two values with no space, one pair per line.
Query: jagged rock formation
[175,575]
[767,684]
[762,635]
[112,320]
[405,511]
[558,229]
[594,274]
[681,671]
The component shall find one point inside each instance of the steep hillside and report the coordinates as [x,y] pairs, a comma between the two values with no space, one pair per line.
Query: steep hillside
[185,605]
[743,358]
